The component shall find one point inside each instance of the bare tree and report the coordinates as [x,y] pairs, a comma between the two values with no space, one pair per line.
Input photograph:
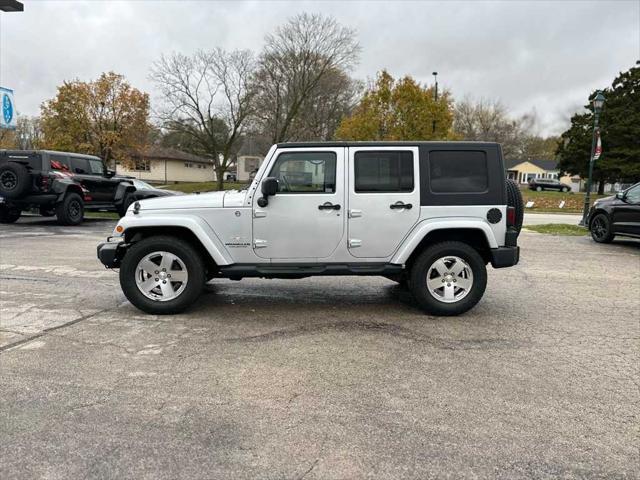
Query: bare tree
[207,98]
[26,136]
[489,121]
[302,57]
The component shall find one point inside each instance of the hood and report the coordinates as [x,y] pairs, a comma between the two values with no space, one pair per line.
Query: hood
[202,200]
[605,199]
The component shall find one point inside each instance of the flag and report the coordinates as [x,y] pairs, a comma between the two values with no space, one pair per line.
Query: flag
[598,150]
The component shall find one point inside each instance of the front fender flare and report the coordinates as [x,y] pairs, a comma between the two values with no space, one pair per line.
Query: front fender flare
[422,229]
[195,224]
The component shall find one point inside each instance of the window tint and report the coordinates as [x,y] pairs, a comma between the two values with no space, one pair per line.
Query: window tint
[305,172]
[383,171]
[633,195]
[80,165]
[96,167]
[59,163]
[458,171]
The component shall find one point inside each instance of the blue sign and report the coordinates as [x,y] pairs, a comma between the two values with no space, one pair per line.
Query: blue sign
[8,116]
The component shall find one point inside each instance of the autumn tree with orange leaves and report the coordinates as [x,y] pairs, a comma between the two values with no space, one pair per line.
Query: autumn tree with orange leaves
[399,110]
[106,117]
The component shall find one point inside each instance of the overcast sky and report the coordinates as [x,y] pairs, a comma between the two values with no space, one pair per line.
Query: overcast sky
[532,55]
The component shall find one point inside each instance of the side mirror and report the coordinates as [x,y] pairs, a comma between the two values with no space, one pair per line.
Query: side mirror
[109,173]
[269,188]
[620,195]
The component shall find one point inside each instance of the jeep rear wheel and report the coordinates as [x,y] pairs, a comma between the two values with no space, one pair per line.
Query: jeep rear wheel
[162,275]
[14,180]
[71,210]
[9,214]
[448,278]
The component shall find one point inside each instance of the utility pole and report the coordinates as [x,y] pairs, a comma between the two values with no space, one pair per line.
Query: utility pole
[435,97]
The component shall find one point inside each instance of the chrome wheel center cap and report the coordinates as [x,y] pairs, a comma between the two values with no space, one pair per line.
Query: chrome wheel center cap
[162,275]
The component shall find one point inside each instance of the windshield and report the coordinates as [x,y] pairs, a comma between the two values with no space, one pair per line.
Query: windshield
[140,185]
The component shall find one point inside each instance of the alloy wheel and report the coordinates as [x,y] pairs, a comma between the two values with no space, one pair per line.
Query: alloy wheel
[449,279]
[599,227]
[161,276]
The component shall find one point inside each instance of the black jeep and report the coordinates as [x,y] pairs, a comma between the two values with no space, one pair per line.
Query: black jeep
[59,183]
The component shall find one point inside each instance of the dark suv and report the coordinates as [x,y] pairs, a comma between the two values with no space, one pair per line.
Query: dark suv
[59,183]
[616,215]
[540,184]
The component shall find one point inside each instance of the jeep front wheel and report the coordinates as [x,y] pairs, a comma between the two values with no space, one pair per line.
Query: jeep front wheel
[448,278]
[70,211]
[162,275]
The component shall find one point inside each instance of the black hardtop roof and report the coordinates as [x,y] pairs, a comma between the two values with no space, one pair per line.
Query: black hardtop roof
[37,152]
[383,144]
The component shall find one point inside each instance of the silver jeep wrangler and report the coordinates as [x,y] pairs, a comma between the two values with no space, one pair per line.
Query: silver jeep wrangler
[428,214]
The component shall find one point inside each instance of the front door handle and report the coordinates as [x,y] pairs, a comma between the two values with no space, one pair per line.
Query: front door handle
[328,206]
[400,205]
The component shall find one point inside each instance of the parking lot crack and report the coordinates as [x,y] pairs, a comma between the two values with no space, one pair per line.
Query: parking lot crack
[48,331]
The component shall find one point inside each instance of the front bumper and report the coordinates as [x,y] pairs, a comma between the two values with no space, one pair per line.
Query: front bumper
[504,256]
[111,253]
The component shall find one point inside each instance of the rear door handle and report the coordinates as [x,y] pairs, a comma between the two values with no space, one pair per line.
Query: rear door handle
[328,206]
[400,205]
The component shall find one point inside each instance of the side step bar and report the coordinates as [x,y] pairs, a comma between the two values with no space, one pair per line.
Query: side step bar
[301,270]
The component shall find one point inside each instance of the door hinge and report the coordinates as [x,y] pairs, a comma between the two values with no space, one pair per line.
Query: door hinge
[355,213]
[257,243]
[355,242]
[259,214]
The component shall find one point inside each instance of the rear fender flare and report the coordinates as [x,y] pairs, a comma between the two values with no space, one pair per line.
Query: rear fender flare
[63,186]
[121,191]
[196,225]
[422,229]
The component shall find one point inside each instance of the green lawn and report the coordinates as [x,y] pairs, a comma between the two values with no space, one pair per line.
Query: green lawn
[112,215]
[549,201]
[203,186]
[558,229]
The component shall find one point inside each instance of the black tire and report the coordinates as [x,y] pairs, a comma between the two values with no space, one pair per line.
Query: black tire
[126,203]
[9,214]
[421,269]
[514,199]
[538,189]
[185,252]
[47,211]
[565,189]
[15,180]
[71,210]
[600,228]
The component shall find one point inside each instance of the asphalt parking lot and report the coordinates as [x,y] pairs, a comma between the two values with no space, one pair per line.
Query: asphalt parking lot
[318,378]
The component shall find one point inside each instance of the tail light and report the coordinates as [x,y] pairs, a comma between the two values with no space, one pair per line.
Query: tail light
[511,216]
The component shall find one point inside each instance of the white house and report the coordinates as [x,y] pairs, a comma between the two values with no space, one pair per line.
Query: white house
[166,165]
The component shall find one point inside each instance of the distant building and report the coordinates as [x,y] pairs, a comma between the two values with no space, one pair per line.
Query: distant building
[246,164]
[522,171]
[167,165]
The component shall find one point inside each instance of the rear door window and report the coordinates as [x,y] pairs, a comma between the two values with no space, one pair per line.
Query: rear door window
[462,171]
[383,171]
[59,163]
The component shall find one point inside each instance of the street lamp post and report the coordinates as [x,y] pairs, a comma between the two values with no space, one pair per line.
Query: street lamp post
[598,102]
[435,76]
